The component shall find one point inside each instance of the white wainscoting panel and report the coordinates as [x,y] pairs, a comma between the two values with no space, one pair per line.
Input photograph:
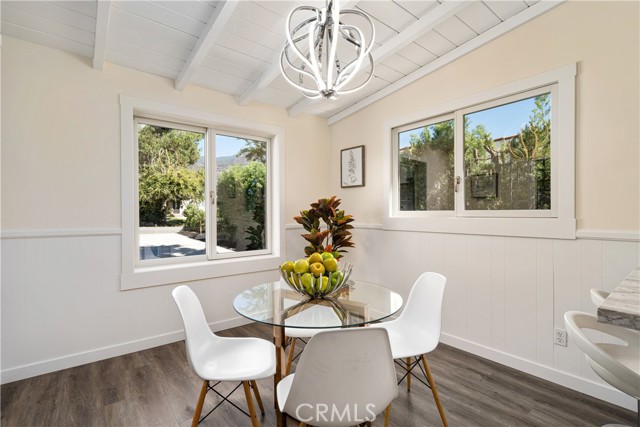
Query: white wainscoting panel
[62,304]
[504,295]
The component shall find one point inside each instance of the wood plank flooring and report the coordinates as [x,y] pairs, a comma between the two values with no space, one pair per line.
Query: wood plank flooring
[156,387]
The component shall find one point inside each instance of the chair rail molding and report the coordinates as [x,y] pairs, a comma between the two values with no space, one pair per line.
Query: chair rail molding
[43,233]
[616,235]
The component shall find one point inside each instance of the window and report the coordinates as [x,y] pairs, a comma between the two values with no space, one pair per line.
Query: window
[504,154]
[426,166]
[507,150]
[201,195]
[174,210]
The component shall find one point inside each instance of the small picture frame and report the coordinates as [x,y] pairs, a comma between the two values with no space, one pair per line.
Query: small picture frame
[352,167]
[484,186]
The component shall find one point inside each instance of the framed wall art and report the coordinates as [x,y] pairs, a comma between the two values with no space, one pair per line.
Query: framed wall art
[352,167]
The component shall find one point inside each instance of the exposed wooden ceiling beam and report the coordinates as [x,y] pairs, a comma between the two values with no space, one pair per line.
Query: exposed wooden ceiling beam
[102,30]
[273,70]
[418,28]
[210,33]
[510,24]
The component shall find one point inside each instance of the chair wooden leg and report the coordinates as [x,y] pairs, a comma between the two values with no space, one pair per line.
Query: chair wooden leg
[408,374]
[256,392]
[432,383]
[198,411]
[252,409]
[292,347]
[387,414]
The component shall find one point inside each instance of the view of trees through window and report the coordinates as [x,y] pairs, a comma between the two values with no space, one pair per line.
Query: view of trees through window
[172,202]
[501,172]
[427,168]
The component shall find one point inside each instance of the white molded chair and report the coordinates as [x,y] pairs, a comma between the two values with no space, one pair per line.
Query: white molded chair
[215,358]
[598,296]
[617,364]
[344,377]
[416,331]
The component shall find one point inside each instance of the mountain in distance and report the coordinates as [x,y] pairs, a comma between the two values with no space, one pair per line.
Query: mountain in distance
[222,162]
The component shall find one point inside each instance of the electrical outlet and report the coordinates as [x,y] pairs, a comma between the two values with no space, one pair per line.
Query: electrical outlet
[560,337]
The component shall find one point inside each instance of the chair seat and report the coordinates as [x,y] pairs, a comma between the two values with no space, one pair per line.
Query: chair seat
[407,340]
[236,359]
[282,390]
[314,315]
[627,355]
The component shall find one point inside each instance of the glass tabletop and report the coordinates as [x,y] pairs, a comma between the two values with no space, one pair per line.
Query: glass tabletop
[277,304]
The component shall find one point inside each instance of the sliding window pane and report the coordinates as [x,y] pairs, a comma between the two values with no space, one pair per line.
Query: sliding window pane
[507,156]
[171,191]
[426,168]
[241,193]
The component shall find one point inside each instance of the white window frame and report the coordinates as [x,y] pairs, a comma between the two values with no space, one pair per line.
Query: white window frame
[212,184]
[138,275]
[560,223]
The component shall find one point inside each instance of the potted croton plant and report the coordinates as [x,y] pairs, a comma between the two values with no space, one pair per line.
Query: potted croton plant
[327,227]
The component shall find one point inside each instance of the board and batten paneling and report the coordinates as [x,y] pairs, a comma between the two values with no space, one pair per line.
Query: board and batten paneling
[504,295]
[62,305]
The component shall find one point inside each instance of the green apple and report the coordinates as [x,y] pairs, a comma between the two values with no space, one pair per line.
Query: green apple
[315,257]
[317,269]
[326,255]
[325,283]
[301,266]
[287,267]
[336,278]
[330,265]
[307,282]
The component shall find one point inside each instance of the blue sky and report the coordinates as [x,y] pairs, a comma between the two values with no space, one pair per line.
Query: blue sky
[505,120]
[225,145]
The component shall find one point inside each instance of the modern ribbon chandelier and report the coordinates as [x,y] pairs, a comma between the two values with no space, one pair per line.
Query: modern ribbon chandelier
[326,50]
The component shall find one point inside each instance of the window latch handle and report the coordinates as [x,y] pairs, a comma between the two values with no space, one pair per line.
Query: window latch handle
[212,196]
[457,184]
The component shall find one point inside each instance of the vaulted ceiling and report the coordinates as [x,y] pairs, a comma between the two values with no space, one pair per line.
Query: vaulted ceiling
[234,46]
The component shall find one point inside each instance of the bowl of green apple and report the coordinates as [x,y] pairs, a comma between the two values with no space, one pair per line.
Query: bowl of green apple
[317,276]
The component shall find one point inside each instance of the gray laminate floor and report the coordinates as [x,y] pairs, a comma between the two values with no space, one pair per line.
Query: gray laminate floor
[156,387]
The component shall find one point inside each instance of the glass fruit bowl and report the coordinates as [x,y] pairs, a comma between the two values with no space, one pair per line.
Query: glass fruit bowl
[313,286]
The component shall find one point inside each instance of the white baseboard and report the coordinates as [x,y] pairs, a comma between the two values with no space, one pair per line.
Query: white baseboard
[599,391]
[69,361]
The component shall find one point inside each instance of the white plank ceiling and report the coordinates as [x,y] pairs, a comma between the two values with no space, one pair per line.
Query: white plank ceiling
[234,46]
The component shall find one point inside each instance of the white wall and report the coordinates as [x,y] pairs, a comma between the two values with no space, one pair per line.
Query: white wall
[505,295]
[61,298]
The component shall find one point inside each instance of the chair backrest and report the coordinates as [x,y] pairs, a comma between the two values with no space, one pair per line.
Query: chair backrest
[344,377]
[611,362]
[424,305]
[196,329]
[598,296]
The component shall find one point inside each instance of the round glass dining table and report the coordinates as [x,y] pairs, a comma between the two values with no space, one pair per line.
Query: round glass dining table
[277,304]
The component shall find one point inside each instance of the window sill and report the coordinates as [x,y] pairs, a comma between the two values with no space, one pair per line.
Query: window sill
[548,228]
[143,277]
